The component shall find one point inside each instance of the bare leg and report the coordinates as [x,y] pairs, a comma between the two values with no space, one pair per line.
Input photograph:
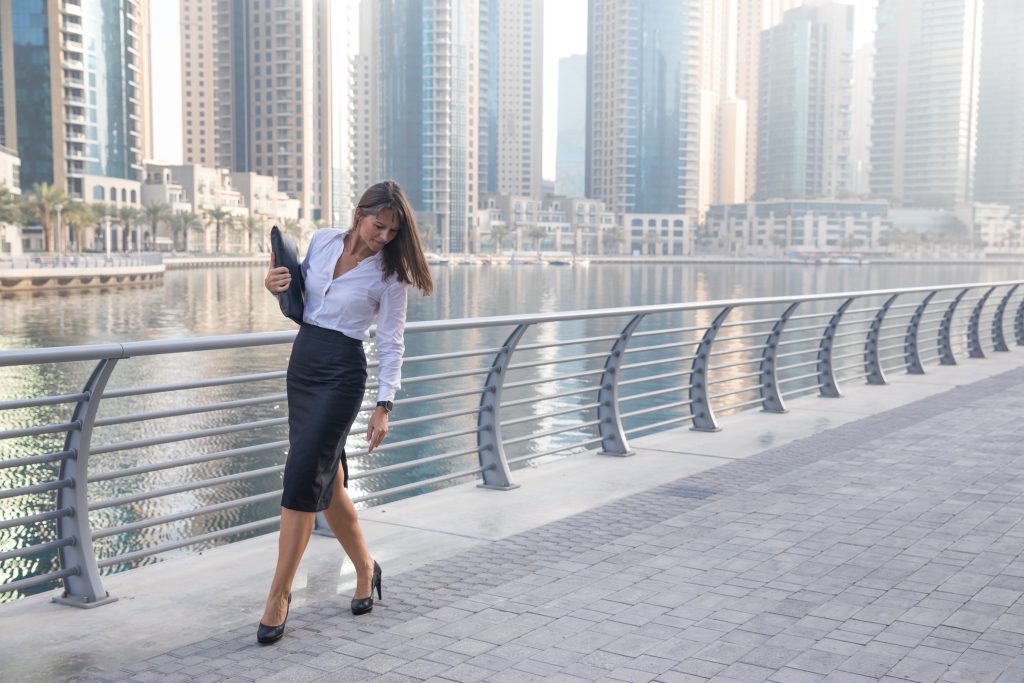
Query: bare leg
[343,519]
[296,528]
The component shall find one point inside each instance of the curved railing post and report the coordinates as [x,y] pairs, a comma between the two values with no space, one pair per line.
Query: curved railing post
[496,474]
[872,363]
[998,336]
[1018,324]
[911,352]
[946,356]
[770,396]
[974,349]
[613,437]
[84,588]
[829,387]
[700,406]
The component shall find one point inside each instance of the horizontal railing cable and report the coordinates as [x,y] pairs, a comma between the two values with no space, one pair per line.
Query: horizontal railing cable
[472,398]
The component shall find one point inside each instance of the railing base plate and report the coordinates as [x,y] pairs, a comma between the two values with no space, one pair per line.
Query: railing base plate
[705,429]
[618,455]
[497,488]
[778,411]
[81,603]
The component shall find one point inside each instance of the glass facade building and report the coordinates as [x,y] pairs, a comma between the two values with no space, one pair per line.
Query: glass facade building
[82,95]
[571,153]
[31,34]
[999,175]
[804,103]
[643,92]
[425,56]
[925,108]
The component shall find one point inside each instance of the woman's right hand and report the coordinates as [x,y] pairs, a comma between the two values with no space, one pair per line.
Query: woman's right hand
[278,279]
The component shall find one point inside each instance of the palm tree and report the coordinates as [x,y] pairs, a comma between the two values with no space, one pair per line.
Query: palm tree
[78,218]
[499,231]
[218,215]
[40,203]
[611,236]
[652,240]
[127,215]
[292,227]
[184,223]
[155,214]
[426,230]
[251,225]
[101,211]
[537,234]
[10,206]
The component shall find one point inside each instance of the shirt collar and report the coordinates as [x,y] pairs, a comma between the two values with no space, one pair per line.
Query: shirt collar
[376,257]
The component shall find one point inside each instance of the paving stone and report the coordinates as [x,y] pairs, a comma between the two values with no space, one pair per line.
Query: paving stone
[887,549]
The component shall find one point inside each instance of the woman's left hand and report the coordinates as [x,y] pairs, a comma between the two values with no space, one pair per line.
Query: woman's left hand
[377,429]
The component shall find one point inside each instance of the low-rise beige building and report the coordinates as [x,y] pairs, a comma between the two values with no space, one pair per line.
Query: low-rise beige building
[773,228]
[202,190]
[570,224]
[664,234]
[10,235]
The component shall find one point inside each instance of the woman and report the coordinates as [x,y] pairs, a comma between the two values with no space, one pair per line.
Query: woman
[350,278]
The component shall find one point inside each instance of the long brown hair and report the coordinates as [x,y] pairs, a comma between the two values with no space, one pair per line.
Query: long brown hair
[403,255]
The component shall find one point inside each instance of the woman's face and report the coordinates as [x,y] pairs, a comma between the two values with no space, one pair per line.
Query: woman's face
[377,230]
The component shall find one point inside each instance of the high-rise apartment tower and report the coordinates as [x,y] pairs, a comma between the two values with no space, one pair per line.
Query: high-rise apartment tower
[925,111]
[81,93]
[511,92]
[805,87]
[425,57]
[643,94]
[999,175]
[256,92]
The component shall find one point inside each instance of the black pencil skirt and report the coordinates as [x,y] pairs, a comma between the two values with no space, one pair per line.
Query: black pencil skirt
[326,382]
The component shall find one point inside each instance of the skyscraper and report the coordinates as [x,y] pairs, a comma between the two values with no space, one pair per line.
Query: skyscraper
[8,115]
[1000,162]
[511,92]
[805,85]
[723,116]
[643,93]
[925,101]
[859,163]
[425,57]
[81,94]
[752,17]
[256,92]
[571,154]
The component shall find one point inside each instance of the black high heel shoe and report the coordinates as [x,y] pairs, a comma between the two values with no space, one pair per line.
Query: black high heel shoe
[271,634]
[364,605]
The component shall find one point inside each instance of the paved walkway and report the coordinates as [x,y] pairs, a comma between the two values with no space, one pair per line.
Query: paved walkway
[886,549]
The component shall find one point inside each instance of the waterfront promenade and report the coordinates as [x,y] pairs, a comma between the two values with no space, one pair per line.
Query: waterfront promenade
[875,537]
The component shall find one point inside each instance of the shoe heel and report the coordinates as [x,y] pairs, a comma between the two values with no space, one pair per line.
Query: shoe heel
[364,605]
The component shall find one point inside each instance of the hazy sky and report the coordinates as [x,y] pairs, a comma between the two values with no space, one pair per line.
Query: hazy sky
[565,34]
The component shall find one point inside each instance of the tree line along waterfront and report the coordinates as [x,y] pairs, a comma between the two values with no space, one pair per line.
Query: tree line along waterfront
[47,220]
[67,225]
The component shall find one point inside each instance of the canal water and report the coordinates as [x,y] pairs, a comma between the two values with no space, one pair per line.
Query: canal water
[231,300]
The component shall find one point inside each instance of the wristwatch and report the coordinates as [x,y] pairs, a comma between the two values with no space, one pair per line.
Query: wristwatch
[388,406]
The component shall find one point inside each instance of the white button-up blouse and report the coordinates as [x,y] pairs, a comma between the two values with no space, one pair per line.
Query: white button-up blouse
[349,303]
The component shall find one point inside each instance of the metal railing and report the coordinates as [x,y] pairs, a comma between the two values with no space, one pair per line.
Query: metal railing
[32,261]
[114,454]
